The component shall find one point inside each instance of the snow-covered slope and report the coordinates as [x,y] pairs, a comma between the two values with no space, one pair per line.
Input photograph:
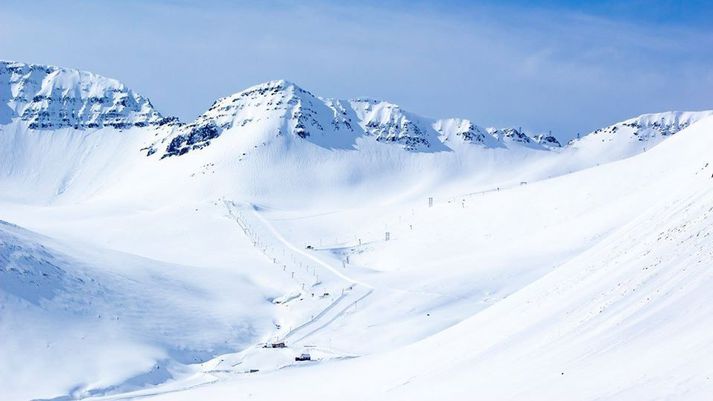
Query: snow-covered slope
[627,317]
[633,136]
[65,131]
[278,215]
[82,318]
[69,135]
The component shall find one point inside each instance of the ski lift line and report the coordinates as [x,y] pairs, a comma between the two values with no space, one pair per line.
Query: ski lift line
[315,318]
[242,223]
[335,317]
[292,247]
[344,294]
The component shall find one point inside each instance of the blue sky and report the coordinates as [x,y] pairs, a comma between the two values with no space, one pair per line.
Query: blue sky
[552,65]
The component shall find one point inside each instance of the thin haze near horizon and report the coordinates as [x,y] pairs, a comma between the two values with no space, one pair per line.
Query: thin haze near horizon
[560,66]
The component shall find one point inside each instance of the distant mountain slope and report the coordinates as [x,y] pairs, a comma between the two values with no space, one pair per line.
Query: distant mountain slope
[48,97]
[634,135]
[647,127]
[66,133]
[51,98]
[283,109]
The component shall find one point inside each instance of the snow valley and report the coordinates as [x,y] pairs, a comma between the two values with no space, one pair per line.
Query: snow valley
[285,245]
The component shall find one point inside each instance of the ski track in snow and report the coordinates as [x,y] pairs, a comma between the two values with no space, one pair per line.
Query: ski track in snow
[322,320]
[353,289]
[297,250]
[331,319]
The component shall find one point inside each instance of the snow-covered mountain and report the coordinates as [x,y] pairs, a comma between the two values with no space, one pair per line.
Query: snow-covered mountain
[54,98]
[647,127]
[635,135]
[283,109]
[48,97]
[150,258]
[647,130]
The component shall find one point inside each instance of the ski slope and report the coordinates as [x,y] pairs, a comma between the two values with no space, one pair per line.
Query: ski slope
[627,318]
[145,258]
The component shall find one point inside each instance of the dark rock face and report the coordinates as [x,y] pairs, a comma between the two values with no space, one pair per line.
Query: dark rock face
[48,97]
[471,134]
[657,127]
[388,123]
[649,127]
[401,131]
[547,140]
[512,134]
[196,137]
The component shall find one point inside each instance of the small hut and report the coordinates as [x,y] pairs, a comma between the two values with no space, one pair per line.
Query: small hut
[303,357]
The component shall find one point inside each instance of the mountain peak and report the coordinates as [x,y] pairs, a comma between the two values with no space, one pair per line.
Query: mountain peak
[49,97]
[264,95]
[547,140]
[265,89]
[648,128]
[268,104]
[276,84]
